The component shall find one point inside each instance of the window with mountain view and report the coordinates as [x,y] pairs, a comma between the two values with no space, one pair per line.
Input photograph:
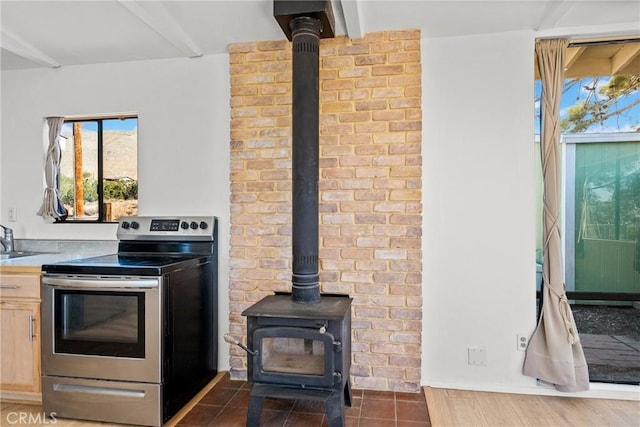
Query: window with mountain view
[99,168]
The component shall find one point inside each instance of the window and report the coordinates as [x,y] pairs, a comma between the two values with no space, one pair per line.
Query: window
[600,119]
[99,168]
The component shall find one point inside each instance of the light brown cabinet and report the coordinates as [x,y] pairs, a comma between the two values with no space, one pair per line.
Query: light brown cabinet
[20,337]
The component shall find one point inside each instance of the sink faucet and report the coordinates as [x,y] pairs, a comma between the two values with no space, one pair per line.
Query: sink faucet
[7,240]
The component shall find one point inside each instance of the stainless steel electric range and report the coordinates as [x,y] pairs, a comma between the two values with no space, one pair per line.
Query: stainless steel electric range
[132,337]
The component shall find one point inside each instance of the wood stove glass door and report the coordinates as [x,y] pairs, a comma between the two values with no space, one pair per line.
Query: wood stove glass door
[294,356]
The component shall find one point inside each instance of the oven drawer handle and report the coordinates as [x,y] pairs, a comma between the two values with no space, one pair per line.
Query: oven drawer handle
[102,391]
[83,283]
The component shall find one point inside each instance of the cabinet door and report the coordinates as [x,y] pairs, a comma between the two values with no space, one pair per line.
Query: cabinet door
[20,344]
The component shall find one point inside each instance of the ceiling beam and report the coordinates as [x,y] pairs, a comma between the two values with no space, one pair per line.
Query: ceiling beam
[571,56]
[18,46]
[156,16]
[353,21]
[587,67]
[552,13]
[624,56]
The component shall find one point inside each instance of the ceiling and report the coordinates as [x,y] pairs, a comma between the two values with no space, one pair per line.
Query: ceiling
[52,34]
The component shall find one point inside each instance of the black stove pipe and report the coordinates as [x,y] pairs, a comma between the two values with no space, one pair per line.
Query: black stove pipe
[305,152]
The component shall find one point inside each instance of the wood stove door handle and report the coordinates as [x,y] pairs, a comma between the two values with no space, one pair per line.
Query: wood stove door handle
[231,340]
[337,346]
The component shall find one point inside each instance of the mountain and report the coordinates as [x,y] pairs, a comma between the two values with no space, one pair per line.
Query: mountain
[120,154]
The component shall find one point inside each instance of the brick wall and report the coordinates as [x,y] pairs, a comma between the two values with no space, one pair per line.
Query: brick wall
[370,193]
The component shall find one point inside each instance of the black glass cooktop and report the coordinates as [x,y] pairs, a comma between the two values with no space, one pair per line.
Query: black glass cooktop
[118,264]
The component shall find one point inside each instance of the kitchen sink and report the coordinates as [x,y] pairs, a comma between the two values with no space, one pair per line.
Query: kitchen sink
[18,254]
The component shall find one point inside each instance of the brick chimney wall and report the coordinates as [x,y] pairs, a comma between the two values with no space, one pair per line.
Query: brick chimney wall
[370,193]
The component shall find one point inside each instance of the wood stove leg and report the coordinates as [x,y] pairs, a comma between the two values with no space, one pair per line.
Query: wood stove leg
[348,396]
[334,406]
[255,408]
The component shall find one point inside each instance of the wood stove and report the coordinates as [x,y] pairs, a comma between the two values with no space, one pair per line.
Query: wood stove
[300,351]
[299,344]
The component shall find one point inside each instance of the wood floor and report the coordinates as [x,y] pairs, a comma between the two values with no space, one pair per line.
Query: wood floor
[18,414]
[472,408]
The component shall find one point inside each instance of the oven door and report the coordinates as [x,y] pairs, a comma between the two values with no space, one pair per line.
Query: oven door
[295,356]
[101,327]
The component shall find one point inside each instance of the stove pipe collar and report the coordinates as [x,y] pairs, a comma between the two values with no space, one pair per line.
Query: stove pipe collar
[286,10]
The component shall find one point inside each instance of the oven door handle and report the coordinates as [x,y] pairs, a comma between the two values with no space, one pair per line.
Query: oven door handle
[77,283]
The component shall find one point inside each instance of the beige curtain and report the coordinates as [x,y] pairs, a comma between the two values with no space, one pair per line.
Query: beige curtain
[554,354]
[52,207]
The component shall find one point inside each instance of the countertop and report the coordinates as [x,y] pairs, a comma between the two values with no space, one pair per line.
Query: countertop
[32,264]
[52,251]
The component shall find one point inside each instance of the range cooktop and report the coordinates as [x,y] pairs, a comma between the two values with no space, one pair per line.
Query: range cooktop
[117,264]
[150,246]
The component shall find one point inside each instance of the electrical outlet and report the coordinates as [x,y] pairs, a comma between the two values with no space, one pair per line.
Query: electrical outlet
[13,214]
[523,342]
[477,356]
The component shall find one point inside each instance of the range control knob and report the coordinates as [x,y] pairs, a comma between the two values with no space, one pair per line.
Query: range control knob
[125,225]
[203,225]
[135,225]
[194,225]
[184,225]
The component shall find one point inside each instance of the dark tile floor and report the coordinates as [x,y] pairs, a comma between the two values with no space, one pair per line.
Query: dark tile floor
[226,406]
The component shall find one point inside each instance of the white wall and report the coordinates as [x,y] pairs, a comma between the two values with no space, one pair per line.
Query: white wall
[183,143]
[479,224]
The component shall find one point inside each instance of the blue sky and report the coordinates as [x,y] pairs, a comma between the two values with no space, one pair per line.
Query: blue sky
[127,124]
[115,124]
[628,121]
